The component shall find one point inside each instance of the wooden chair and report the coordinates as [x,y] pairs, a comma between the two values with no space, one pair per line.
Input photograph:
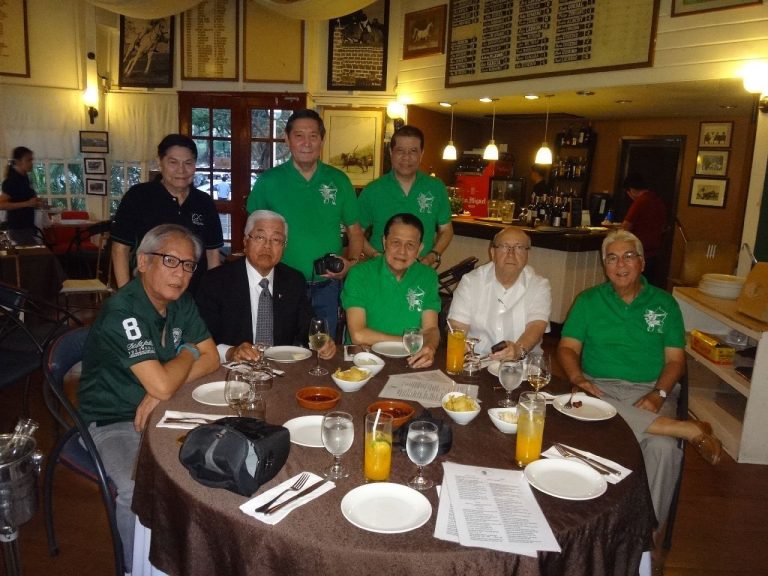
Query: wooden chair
[98,286]
[448,280]
[682,414]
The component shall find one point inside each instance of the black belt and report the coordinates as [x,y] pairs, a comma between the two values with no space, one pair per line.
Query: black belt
[318,283]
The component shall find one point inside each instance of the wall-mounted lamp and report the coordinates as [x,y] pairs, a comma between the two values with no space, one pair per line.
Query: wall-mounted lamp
[544,154]
[755,77]
[397,111]
[491,151]
[91,101]
[449,152]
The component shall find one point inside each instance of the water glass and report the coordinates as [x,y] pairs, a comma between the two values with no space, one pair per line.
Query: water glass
[338,433]
[413,340]
[510,377]
[236,389]
[531,410]
[378,447]
[421,446]
[254,406]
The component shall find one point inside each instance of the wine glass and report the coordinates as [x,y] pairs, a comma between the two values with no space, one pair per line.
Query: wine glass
[338,432]
[510,376]
[421,446]
[318,337]
[254,406]
[236,389]
[539,372]
[413,340]
[261,348]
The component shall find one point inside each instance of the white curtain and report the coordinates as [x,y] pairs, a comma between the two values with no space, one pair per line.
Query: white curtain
[137,123]
[45,120]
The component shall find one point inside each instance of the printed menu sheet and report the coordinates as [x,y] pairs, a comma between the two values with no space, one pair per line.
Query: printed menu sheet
[426,388]
[491,508]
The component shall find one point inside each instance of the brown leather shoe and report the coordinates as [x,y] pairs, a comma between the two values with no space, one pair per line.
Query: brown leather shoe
[709,447]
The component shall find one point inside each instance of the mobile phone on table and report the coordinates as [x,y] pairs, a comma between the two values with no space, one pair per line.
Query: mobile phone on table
[498,346]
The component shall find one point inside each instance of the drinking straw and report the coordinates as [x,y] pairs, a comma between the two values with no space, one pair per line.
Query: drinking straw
[375,423]
[450,328]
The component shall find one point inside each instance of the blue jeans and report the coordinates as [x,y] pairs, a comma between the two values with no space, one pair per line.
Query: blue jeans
[324,297]
[118,446]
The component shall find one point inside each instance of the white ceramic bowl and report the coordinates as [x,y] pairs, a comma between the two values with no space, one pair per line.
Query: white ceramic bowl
[503,425]
[461,418]
[361,360]
[348,386]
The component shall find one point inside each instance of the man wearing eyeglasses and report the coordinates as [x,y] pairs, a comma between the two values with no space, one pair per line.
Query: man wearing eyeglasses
[406,189]
[235,299]
[503,301]
[147,341]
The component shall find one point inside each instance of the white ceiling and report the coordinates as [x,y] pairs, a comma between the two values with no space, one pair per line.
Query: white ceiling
[706,98]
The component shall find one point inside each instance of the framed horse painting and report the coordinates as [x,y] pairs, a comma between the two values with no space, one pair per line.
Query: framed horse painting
[424,32]
[146,52]
[357,49]
[354,141]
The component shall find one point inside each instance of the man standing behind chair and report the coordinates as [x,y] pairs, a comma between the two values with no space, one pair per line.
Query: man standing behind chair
[317,200]
[239,310]
[171,199]
[147,341]
[406,189]
[503,300]
[393,292]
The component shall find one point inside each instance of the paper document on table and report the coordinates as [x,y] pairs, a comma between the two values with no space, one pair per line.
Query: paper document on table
[426,388]
[492,508]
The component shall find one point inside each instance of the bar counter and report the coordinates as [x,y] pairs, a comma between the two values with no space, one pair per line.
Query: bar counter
[568,258]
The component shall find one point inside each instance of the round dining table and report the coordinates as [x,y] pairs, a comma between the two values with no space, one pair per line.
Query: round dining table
[201,531]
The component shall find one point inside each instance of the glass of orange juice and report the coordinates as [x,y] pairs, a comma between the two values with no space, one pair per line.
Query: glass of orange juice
[531,409]
[378,446]
[454,357]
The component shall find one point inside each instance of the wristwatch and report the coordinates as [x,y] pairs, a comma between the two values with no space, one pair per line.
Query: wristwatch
[437,255]
[189,347]
[660,392]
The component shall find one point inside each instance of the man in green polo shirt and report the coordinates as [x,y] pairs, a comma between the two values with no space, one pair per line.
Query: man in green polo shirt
[316,200]
[147,341]
[406,189]
[393,292]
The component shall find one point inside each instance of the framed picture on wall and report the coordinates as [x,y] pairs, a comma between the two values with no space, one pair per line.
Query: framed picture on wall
[94,141]
[14,40]
[715,134]
[684,7]
[357,49]
[712,162]
[95,187]
[146,52]
[708,192]
[424,32]
[353,142]
[95,165]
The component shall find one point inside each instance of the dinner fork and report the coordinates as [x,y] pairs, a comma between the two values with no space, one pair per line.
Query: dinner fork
[298,485]
[568,405]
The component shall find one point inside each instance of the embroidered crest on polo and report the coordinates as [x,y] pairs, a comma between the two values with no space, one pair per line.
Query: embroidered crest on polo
[654,320]
[197,219]
[328,192]
[176,337]
[425,203]
[415,297]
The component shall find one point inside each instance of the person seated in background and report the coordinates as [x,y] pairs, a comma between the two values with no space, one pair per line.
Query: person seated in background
[503,300]
[257,299]
[147,341]
[393,292]
[624,342]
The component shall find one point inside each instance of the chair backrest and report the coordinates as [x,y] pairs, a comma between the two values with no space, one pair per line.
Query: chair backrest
[60,356]
[705,257]
[74,215]
[449,278]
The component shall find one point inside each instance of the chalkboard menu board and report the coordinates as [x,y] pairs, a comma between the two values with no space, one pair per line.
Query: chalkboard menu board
[501,40]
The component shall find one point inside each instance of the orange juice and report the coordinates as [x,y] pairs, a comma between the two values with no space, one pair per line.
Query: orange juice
[378,457]
[454,357]
[530,431]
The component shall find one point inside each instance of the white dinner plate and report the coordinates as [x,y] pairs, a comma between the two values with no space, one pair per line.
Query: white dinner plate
[590,409]
[287,354]
[306,431]
[386,508]
[493,368]
[211,393]
[565,479]
[390,349]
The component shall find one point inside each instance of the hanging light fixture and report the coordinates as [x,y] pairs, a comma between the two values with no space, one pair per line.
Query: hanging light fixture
[492,151]
[544,154]
[449,152]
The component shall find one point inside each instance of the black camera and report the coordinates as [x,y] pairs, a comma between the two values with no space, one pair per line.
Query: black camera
[328,263]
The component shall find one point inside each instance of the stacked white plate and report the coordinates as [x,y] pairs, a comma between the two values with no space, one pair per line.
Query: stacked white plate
[721,285]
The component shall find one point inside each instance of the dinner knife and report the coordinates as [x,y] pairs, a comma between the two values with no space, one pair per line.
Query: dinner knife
[591,461]
[295,497]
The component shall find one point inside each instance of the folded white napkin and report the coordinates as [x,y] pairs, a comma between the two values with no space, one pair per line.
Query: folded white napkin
[250,506]
[611,478]
[203,419]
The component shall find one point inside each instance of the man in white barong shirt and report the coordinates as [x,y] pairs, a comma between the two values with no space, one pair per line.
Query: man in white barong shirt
[503,300]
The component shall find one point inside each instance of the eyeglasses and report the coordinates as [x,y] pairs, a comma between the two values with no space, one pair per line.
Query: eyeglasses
[396,244]
[627,258]
[173,262]
[518,249]
[405,152]
[273,242]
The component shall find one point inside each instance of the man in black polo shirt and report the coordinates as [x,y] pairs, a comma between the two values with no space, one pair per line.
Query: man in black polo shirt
[170,199]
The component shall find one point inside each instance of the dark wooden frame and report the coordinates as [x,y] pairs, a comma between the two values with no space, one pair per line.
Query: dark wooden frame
[96,182]
[233,28]
[702,171]
[709,5]
[99,166]
[360,46]
[10,49]
[722,194]
[162,76]
[414,28]
[708,127]
[94,141]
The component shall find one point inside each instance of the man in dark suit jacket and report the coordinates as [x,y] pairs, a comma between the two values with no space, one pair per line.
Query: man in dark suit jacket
[228,295]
